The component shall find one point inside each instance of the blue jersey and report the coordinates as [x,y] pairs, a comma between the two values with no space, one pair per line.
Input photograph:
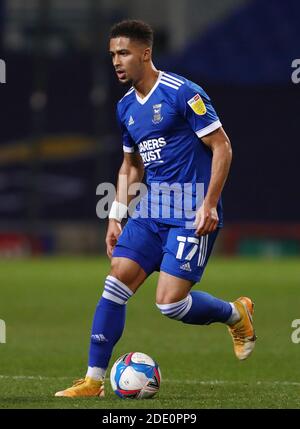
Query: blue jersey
[166,128]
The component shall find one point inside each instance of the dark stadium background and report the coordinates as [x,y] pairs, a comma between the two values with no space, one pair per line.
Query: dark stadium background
[59,137]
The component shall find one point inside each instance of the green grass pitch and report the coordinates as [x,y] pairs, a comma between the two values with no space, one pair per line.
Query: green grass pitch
[48,306]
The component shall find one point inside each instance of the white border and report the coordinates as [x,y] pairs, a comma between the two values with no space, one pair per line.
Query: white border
[210,128]
[128,149]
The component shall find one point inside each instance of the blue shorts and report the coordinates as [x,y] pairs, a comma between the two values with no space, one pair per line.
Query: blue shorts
[160,247]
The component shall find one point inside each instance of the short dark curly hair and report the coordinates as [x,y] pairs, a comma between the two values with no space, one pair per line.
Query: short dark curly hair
[134,30]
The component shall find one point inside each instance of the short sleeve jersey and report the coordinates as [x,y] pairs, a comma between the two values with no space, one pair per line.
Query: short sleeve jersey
[166,128]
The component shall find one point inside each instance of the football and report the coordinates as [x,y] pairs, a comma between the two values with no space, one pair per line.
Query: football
[135,376]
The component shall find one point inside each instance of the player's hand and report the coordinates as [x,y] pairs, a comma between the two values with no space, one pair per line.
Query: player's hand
[206,220]
[113,231]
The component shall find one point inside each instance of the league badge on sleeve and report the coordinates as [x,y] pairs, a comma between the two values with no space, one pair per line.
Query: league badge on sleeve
[197,104]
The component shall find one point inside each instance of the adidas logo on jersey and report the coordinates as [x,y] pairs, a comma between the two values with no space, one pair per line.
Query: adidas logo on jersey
[131,121]
[186,267]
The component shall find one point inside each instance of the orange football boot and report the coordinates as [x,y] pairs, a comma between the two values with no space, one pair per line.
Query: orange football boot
[242,332]
[85,387]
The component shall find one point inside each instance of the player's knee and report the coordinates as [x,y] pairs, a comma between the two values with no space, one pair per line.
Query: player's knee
[120,271]
[176,310]
[165,296]
[125,273]
[169,296]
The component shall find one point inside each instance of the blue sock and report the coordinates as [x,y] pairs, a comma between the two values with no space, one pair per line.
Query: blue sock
[198,308]
[206,309]
[109,322]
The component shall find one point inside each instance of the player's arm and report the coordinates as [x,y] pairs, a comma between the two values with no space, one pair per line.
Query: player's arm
[131,171]
[207,217]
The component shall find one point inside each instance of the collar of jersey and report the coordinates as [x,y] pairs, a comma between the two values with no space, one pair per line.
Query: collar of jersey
[145,99]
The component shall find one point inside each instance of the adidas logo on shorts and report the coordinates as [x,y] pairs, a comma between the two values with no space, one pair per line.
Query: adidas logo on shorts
[186,267]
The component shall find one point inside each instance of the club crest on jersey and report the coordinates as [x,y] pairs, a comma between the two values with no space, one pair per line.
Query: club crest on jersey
[157,118]
[197,104]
